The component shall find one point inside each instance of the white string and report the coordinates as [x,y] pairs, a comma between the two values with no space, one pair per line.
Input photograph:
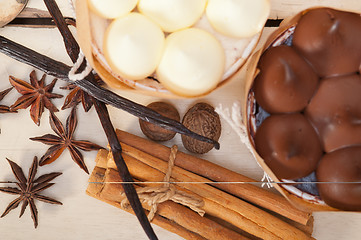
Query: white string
[78,76]
[72,73]
[234,119]
[266,179]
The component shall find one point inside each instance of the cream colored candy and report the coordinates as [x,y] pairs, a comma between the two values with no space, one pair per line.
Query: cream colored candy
[192,63]
[133,46]
[112,8]
[238,18]
[173,15]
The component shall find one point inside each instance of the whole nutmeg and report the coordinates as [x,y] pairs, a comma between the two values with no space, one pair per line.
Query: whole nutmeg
[156,132]
[201,119]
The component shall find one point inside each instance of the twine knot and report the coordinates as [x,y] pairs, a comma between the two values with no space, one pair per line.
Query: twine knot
[153,196]
[72,75]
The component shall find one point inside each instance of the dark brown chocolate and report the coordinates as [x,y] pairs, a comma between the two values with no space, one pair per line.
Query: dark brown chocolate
[286,82]
[289,145]
[335,111]
[330,41]
[343,169]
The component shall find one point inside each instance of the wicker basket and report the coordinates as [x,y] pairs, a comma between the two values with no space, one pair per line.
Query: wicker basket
[90,29]
[299,198]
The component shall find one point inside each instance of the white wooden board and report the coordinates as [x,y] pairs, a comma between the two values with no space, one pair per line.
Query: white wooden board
[82,217]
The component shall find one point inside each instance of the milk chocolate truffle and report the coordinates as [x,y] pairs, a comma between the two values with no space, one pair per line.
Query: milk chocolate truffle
[286,82]
[335,111]
[330,41]
[343,165]
[289,145]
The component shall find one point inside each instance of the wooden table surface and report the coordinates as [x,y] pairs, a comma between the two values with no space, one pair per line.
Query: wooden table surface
[83,217]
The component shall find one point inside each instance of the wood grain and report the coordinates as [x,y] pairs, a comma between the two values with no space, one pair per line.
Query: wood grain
[287,8]
[103,221]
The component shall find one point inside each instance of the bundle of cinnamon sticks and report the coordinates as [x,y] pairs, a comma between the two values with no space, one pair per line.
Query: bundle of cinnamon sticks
[233,211]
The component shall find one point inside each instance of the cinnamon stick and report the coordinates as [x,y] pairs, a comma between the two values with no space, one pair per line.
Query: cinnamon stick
[232,227]
[145,173]
[176,212]
[95,189]
[102,187]
[217,202]
[138,171]
[308,228]
[248,192]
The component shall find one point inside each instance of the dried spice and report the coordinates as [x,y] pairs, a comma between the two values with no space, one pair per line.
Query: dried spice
[103,96]
[155,132]
[60,70]
[202,119]
[63,140]
[36,94]
[73,50]
[77,95]
[3,108]
[29,189]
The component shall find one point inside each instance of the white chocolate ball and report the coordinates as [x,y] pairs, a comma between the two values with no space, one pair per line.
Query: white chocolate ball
[238,18]
[173,15]
[112,8]
[192,63]
[133,46]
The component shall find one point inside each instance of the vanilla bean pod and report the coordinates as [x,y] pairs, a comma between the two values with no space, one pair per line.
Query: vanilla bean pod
[61,70]
[73,50]
[34,59]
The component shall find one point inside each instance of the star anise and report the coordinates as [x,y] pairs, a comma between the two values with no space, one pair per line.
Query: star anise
[29,189]
[63,140]
[77,95]
[3,108]
[36,94]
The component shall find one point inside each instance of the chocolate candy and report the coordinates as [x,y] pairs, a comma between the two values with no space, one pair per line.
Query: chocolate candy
[330,41]
[286,82]
[324,116]
[289,145]
[343,166]
[335,111]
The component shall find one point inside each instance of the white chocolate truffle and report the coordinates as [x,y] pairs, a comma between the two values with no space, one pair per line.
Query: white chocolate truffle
[133,46]
[173,15]
[238,18]
[112,8]
[192,63]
